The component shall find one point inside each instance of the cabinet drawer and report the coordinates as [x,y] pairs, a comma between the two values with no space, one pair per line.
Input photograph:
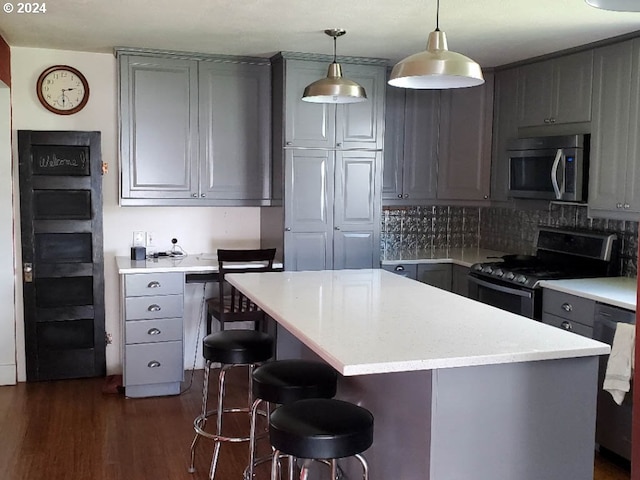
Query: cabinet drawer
[147,331]
[149,284]
[569,307]
[153,363]
[569,325]
[162,306]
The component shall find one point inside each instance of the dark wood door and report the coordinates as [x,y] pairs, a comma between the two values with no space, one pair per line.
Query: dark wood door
[62,253]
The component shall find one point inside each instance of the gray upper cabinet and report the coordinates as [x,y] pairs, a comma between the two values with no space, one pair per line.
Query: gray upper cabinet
[464,158]
[614,183]
[341,126]
[556,91]
[194,131]
[159,127]
[411,146]
[505,127]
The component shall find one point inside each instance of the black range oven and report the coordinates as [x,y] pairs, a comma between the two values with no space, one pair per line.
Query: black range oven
[512,282]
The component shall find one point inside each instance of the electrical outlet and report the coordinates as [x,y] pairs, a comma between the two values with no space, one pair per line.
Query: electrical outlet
[139,239]
[150,240]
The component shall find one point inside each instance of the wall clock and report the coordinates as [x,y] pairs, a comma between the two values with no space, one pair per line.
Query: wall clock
[62,89]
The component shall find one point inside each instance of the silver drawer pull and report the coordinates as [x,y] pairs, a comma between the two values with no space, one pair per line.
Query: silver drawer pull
[566,325]
[399,268]
[153,285]
[567,307]
[154,331]
[153,364]
[154,308]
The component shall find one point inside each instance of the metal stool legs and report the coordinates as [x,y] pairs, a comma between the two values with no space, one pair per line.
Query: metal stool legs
[200,421]
[333,463]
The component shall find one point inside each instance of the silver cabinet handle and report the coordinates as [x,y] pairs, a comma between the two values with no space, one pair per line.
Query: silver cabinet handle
[203,195]
[338,144]
[567,326]
[567,307]
[153,331]
[486,197]
[618,205]
[154,308]
[406,195]
[552,120]
[399,268]
[399,195]
[336,228]
[153,285]
[153,364]
[287,229]
[288,143]
[194,195]
[626,205]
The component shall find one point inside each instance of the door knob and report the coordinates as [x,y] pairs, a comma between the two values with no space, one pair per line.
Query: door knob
[27,270]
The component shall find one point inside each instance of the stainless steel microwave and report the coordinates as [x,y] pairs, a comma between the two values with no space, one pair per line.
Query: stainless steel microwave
[551,168]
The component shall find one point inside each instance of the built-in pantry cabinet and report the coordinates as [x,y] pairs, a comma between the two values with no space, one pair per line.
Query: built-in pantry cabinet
[438,144]
[614,174]
[194,130]
[556,91]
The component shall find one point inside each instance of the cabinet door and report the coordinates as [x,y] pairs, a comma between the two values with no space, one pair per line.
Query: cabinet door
[505,127]
[308,207]
[159,118]
[435,274]
[393,143]
[460,280]
[361,125]
[307,124]
[420,162]
[464,163]
[235,101]
[632,186]
[573,78]
[535,89]
[610,125]
[356,227]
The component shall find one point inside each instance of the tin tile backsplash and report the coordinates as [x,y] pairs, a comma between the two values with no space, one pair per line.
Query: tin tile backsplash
[407,231]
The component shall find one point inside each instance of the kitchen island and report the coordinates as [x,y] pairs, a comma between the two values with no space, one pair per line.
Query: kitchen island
[459,389]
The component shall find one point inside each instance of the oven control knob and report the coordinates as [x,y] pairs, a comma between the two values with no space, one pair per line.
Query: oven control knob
[498,272]
[477,266]
[521,279]
[510,276]
[487,269]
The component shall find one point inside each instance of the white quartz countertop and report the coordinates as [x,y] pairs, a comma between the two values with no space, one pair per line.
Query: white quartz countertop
[199,263]
[618,291]
[374,321]
[459,256]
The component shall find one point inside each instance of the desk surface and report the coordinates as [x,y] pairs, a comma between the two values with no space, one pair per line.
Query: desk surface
[373,321]
[199,263]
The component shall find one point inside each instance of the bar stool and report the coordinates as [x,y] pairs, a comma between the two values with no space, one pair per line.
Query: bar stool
[285,381]
[230,348]
[321,428]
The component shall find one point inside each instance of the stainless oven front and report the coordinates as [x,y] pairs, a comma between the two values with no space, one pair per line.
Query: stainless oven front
[523,301]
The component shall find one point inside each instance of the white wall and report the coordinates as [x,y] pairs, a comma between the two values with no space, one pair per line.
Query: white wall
[7,274]
[198,229]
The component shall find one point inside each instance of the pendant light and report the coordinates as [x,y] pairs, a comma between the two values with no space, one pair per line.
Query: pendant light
[616,5]
[437,67]
[334,88]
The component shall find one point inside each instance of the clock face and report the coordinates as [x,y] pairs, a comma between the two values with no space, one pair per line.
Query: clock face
[63,90]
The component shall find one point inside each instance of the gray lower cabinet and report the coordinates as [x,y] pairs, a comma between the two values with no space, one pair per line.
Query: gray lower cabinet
[152,309]
[614,176]
[438,145]
[568,312]
[435,274]
[331,209]
[460,280]
[194,130]
[556,91]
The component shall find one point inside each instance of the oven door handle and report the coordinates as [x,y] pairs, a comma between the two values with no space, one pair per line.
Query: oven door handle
[554,175]
[501,288]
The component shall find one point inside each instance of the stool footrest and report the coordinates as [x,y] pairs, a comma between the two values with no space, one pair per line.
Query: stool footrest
[200,420]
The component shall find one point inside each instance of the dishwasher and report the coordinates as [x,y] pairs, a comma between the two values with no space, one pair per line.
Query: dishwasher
[613,421]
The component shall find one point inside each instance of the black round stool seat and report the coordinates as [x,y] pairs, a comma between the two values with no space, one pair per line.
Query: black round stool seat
[285,381]
[321,428]
[240,347]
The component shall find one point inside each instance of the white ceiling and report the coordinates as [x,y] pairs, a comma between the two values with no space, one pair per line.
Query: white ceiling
[492,32]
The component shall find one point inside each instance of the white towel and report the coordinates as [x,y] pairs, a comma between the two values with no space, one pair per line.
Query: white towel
[620,364]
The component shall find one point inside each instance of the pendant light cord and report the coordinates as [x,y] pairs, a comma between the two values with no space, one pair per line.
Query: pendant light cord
[437,15]
[335,41]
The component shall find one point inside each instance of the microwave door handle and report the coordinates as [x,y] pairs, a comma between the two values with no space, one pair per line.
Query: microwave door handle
[554,175]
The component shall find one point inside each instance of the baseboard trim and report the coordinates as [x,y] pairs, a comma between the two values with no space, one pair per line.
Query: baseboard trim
[8,374]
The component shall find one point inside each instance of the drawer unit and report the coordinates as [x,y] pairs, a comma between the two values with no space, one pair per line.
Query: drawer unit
[161,306]
[570,325]
[153,352]
[150,331]
[408,270]
[149,363]
[569,307]
[151,284]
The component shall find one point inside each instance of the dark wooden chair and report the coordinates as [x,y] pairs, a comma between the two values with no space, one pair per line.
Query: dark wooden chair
[231,305]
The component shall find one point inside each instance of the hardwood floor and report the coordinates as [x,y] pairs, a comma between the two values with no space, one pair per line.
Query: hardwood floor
[71,430]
